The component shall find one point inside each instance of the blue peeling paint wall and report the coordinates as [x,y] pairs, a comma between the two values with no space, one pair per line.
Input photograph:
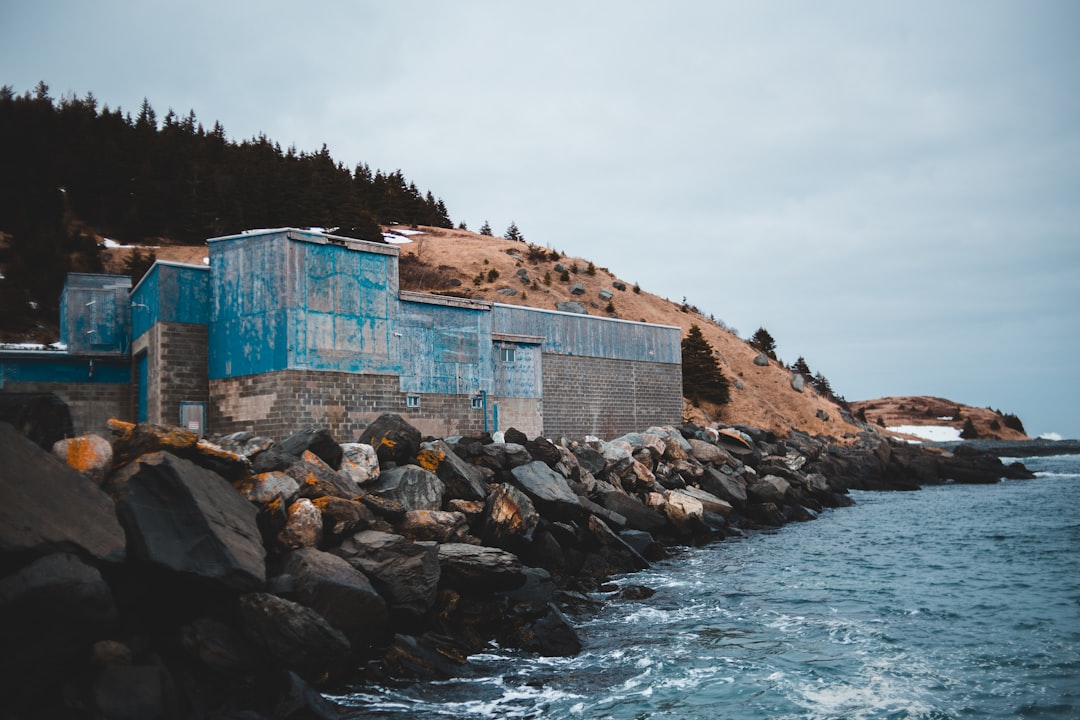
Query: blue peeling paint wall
[583,335]
[95,315]
[516,369]
[445,347]
[170,292]
[289,299]
[53,367]
[344,303]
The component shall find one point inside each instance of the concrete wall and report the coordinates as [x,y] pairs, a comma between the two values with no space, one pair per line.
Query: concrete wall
[176,370]
[608,398]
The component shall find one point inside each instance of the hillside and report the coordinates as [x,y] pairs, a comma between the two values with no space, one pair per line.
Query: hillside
[448,261]
[924,411]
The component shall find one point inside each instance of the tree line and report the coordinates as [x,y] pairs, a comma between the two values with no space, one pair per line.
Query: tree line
[70,165]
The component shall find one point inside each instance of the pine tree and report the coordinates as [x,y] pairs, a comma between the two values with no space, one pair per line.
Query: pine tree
[801,367]
[703,379]
[512,233]
[485,229]
[764,342]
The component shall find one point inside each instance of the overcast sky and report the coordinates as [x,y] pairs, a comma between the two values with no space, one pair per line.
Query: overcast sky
[892,189]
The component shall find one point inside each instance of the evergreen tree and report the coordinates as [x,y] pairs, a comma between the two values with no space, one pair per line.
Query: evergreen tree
[485,229]
[703,379]
[764,342]
[512,233]
[801,367]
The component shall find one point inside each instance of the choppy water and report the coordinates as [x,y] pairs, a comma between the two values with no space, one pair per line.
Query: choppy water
[952,602]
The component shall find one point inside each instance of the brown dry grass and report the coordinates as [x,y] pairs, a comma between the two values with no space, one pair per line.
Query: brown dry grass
[766,399]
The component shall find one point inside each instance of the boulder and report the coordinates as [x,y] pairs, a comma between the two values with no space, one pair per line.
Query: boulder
[462,480]
[394,439]
[709,502]
[245,443]
[340,593]
[577,289]
[42,418]
[131,692]
[509,518]
[761,359]
[404,572]
[316,478]
[707,452]
[315,440]
[435,525]
[264,487]
[185,519]
[49,506]
[724,486]
[219,648]
[590,459]
[92,455]
[609,554]
[549,634]
[548,490]
[571,306]
[134,440]
[411,485]
[768,489]
[429,657]
[52,611]
[303,526]
[273,459]
[342,518]
[359,462]
[798,382]
[638,515]
[684,513]
[294,637]
[478,569]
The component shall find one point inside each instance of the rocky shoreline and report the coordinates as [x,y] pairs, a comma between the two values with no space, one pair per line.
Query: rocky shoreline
[155,574]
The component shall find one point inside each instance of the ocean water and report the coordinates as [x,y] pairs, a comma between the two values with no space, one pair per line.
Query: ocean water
[959,601]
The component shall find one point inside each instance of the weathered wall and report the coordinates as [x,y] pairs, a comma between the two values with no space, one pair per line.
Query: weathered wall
[94,389]
[608,398]
[176,369]
[444,345]
[279,403]
[95,314]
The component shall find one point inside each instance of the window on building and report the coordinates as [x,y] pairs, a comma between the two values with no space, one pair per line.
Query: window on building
[477,402]
[508,354]
[412,401]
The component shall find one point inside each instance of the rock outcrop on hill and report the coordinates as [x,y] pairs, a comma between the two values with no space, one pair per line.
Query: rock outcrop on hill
[175,577]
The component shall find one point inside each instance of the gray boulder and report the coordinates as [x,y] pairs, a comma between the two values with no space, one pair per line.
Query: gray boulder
[52,611]
[393,438]
[638,515]
[411,485]
[477,569]
[462,480]
[768,489]
[571,306]
[343,595]
[316,440]
[404,572]
[724,486]
[294,637]
[548,490]
[49,506]
[183,518]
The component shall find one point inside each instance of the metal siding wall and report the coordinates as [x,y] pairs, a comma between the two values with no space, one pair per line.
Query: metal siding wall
[96,313]
[443,350]
[343,310]
[64,369]
[247,313]
[520,378]
[145,310]
[584,335]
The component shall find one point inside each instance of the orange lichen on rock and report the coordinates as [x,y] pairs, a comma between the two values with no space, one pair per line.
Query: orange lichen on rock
[430,459]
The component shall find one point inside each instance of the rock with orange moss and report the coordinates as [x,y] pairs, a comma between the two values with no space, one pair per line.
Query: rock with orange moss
[92,455]
[316,478]
[394,439]
[47,505]
[342,518]
[462,480]
[265,487]
[438,525]
[303,526]
[315,440]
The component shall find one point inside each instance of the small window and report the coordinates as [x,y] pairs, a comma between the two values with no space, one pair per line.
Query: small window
[508,354]
[412,401]
[477,403]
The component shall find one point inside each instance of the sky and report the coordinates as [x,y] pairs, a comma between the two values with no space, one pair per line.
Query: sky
[891,189]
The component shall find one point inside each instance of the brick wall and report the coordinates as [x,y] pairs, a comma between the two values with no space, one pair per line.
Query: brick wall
[608,398]
[176,368]
[90,404]
[278,404]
